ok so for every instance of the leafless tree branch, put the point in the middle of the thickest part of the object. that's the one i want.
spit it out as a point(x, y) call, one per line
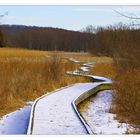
point(127, 16)
point(6, 13)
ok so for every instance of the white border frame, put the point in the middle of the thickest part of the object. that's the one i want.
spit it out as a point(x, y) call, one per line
point(70, 2)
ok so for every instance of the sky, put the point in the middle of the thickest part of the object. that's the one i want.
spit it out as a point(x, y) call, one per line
point(67, 17)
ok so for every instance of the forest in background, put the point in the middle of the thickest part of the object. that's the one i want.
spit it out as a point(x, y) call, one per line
point(46, 38)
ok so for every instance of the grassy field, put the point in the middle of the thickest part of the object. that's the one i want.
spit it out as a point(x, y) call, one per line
point(17, 52)
point(103, 65)
point(85, 57)
point(28, 74)
point(104, 69)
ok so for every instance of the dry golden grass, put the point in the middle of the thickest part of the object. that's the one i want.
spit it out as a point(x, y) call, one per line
point(70, 54)
point(17, 52)
point(27, 74)
point(86, 57)
point(127, 99)
point(104, 69)
point(22, 80)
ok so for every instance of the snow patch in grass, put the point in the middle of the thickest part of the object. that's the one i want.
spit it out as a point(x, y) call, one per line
point(96, 113)
point(84, 68)
point(16, 122)
point(73, 60)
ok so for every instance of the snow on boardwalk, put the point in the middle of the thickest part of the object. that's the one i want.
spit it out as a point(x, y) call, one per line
point(54, 113)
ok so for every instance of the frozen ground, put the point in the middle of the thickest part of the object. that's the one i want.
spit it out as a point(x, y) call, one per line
point(95, 110)
point(16, 122)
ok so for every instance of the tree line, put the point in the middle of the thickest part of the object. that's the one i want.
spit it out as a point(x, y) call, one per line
point(45, 38)
point(110, 41)
point(120, 42)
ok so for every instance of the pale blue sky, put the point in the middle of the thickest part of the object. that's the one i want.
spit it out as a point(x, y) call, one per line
point(68, 17)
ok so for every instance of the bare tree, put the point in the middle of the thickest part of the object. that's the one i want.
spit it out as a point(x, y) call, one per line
point(127, 16)
point(135, 20)
point(3, 15)
point(89, 29)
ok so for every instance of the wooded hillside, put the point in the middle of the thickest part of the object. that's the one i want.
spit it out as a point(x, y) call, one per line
point(46, 38)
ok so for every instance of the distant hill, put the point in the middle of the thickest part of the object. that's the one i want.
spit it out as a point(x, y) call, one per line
point(46, 38)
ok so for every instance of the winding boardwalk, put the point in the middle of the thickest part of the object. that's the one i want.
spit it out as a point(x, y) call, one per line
point(54, 113)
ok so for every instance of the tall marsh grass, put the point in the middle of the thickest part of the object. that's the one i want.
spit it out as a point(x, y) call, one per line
point(22, 80)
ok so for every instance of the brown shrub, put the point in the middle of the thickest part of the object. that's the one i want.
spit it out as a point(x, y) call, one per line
point(104, 69)
point(127, 97)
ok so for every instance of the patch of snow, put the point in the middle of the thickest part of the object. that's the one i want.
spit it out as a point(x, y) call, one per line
point(75, 72)
point(85, 69)
point(16, 122)
point(88, 64)
point(100, 78)
point(29, 103)
point(73, 60)
point(95, 110)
